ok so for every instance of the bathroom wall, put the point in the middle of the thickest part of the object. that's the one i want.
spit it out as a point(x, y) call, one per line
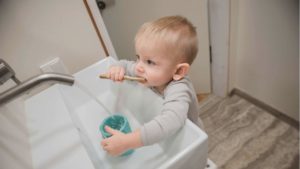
point(264, 52)
point(34, 32)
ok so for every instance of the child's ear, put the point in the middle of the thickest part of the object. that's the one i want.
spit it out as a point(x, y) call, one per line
point(181, 70)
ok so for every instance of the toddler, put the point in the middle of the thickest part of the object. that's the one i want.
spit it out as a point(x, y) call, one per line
point(165, 50)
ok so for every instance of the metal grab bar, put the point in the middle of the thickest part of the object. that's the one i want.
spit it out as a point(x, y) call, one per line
point(30, 83)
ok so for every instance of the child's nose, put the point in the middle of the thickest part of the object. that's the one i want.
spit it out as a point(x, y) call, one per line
point(139, 68)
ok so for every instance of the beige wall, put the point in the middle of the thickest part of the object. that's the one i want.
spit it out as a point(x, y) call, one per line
point(264, 52)
point(34, 32)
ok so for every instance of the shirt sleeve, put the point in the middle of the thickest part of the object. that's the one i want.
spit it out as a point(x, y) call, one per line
point(172, 117)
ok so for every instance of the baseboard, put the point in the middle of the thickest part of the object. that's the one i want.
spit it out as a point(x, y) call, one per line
point(202, 96)
point(266, 107)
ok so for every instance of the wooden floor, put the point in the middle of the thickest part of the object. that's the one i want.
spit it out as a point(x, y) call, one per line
point(243, 136)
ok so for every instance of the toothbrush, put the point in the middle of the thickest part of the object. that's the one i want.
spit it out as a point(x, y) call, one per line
point(139, 79)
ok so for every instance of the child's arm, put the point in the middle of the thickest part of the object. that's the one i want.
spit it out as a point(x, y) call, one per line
point(120, 142)
point(174, 112)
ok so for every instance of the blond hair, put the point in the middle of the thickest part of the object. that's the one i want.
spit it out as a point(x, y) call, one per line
point(176, 32)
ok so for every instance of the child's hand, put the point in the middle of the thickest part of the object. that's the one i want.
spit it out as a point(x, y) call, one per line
point(116, 73)
point(116, 144)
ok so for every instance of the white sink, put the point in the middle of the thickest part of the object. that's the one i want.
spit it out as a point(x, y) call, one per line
point(64, 121)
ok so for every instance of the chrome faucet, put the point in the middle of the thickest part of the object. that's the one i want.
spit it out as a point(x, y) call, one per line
point(6, 73)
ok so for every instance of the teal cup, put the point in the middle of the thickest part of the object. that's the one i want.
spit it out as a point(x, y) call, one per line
point(117, 122)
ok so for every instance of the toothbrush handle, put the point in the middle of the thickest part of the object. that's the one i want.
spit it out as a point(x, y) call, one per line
point(139, 79)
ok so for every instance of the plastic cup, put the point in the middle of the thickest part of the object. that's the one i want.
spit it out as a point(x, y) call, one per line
point(117, 122)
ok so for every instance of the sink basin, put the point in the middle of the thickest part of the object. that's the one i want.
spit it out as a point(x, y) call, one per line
point(63, 123)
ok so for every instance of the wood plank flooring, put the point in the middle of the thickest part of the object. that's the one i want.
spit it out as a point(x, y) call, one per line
point(243, 136)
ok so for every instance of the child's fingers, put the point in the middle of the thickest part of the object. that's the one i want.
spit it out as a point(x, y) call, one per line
point(105, 145)
point(116, 73)
point(112, 72)
point(104, 142)
point(121, 74)
point(116, 78)
point(111, 131)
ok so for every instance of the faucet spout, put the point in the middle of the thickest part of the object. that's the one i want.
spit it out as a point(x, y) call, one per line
point(32, 82)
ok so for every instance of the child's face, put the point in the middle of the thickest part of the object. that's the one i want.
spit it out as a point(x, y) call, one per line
point(156, 65)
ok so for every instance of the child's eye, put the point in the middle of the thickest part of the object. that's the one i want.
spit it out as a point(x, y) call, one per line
point(150, 62)
point(137, 57)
